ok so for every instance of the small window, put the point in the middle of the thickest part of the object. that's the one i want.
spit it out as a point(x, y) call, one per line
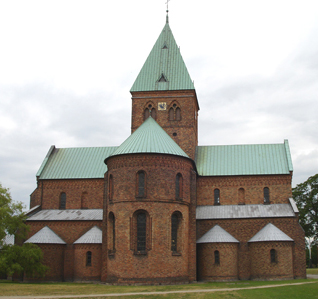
point(273, 256)
point(141, 232)
point(266, 195)
point(216, 197)
point(179, 186)
point(63, 201)
point(88, 258)
point(141, 184)
point(146, 113)
point(216, 257)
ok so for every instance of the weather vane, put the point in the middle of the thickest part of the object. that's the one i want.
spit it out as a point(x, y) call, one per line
point(167, 5)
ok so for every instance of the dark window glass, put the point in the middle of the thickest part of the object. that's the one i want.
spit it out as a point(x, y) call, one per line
point(266, 195)
point(216, 196)
point(178, 114)
point(141, 184)
point(216, 257)
point(63, 201)
point(111, 231)
point(273, 256)
point(88, 258)
point(174, 232)
point(178, 186)
point(141, 232)
point(146, 113)
point(153, 113)
point(171, 114)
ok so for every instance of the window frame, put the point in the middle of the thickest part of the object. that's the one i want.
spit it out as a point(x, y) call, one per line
point(89, 258)
point(141, 185)
point(179, 187)
point(217, 257)
point(266, 194)
point(216, 194)
point(273, 256)
point(62, 205)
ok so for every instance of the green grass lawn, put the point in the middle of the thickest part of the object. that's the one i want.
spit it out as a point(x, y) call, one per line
point(312, 271)
point(299, 291)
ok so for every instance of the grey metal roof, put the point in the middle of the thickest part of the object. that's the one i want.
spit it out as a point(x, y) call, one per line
point(293, 205)
point(165, 61)
point(67, 215)
point(45, 236)
point(75, 163)
point(270, 233)
point(149, 138)
point(247, 159)
point(244, 211)
point(93, 236)
point(217, 235)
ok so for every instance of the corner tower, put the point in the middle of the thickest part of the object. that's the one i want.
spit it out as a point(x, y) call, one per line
point(164, 90)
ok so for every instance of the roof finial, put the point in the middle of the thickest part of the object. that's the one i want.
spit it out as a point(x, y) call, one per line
point(167, 17)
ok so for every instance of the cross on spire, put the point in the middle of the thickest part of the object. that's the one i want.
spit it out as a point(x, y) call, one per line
point(167, 18)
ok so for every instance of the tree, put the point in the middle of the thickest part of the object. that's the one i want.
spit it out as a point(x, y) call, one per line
point(306, 197)
point(13, 258)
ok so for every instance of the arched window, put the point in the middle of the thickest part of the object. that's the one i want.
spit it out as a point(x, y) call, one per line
point(141, 231)
point(266, 195)
point(174, 232)
point(153, 113)
point(216, 197)
point(178, 114)
point(88, 258)
point(241, 196)
point(140, 234)
point(111, 233)
point(179, 186)
point(175, 112)
point(141, 184)
point(111, 187)
point(273, 256)
point(171, 114)
point(146, 113)
point(216, 257)
point(63, 201)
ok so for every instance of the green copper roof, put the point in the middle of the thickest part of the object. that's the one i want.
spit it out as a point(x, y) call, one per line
point(164, 68)
point(253, 159)
point(75, 163)
point(149, 138)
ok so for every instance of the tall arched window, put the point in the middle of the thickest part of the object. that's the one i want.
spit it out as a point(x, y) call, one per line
point(141, 184)
point(111, 187)
point(241, 196)
point(141, 231)
point(216, 257)
point(146, 113)
point(178, 114)
point(63, 201)
point(266, 195)
point(273, 256)
point(111, 233)
point(150, 110)
point(174, 232)
point(179, 185)
point(171, 114)
point(216, 197)
point(88, 258)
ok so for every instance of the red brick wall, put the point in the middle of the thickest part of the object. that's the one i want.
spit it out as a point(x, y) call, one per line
point(159, 264)
point(53, 257)
point(81, 270)
point(261, 265)
point(244, 229)
point(186, 128)
point(81, 193)
point(227, 269)
point(279, 187)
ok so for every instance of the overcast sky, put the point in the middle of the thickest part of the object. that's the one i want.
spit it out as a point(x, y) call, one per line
point(66, 68)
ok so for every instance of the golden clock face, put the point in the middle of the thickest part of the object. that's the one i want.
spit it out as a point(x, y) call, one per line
point(162, 106)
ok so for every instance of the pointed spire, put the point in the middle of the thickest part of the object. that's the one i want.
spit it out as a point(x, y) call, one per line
point(167, 17)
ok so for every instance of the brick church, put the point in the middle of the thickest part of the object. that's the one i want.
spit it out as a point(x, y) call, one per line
point(159, 208)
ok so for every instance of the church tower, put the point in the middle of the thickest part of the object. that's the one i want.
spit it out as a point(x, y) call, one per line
point(164, 90)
